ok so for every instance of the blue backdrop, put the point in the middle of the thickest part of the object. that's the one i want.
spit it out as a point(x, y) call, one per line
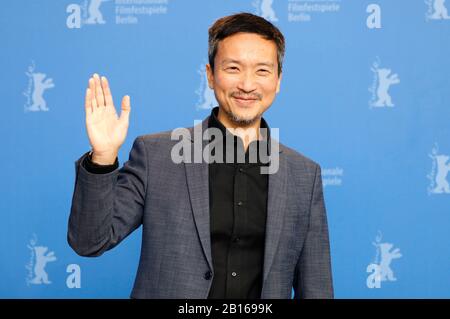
point(365, 93)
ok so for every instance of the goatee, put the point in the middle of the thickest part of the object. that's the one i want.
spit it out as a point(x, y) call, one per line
point(240, 121)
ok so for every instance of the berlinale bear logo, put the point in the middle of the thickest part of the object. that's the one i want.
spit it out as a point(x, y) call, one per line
point(84, 14)
point(38, 83)
point(383, 79)
point(436, 10)
point(380, 270)
point(439, 171)
point(39, 258)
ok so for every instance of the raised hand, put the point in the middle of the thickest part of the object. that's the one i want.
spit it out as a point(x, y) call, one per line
point(106, 130)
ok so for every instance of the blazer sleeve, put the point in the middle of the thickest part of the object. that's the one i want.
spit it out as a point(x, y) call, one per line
point(106, 208)
point(313, 277)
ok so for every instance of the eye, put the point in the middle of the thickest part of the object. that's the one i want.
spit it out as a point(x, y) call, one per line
point(232, 68)
point(263, 71)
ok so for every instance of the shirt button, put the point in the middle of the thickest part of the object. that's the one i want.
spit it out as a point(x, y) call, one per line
point(233, 274)
point(207, 275)
point(236, 239)
point(239, 203)
point(241, 169)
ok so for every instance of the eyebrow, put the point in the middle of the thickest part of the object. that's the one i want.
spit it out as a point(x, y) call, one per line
point(270, 64)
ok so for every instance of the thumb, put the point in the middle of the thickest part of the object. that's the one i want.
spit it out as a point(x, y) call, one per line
point(126, 108)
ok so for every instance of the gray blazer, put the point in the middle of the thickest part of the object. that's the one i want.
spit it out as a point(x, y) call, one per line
point(171, 202)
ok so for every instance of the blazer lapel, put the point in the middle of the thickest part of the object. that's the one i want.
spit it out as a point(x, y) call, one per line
point(197, 177)
point(276, 201)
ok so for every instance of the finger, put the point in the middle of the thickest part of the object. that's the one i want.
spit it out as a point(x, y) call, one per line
point(88, 102)
point(94, 103)
point(92, 89)
point(126, 108)
point(107, 92)
point(99, 91)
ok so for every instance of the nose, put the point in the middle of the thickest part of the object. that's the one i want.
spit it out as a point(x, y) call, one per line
point(247, 82)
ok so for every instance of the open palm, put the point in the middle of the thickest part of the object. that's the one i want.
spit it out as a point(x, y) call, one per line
point(106, 130)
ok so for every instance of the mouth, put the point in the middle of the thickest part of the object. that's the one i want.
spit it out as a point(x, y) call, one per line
point(244, 102)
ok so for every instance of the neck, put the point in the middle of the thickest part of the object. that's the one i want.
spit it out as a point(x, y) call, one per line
point(247, 133)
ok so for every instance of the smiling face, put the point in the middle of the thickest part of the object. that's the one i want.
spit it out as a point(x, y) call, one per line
point(245, 78)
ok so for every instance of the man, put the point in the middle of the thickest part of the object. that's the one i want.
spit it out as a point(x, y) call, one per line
point(211, 229)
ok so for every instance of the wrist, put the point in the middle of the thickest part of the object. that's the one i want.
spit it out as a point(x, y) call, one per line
point(107, 158)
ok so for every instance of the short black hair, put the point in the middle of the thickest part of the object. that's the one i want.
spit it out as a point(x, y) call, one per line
point(244, 22)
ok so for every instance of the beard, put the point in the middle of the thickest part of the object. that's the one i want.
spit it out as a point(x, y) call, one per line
point(239, 120)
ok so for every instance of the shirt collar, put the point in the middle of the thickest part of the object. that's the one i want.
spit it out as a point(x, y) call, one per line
point(213, 121)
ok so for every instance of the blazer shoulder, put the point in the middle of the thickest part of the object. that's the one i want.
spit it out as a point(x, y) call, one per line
point(156, 137)
point(297, 158)
point(159, 140)
point(164, 138)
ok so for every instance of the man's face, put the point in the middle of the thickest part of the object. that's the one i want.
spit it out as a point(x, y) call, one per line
point(245, 79)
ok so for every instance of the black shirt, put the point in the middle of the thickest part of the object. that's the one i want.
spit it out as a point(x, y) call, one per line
point(238, 211)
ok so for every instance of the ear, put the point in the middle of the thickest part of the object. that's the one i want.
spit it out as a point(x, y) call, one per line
point(210, 76)
point(279, 82)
